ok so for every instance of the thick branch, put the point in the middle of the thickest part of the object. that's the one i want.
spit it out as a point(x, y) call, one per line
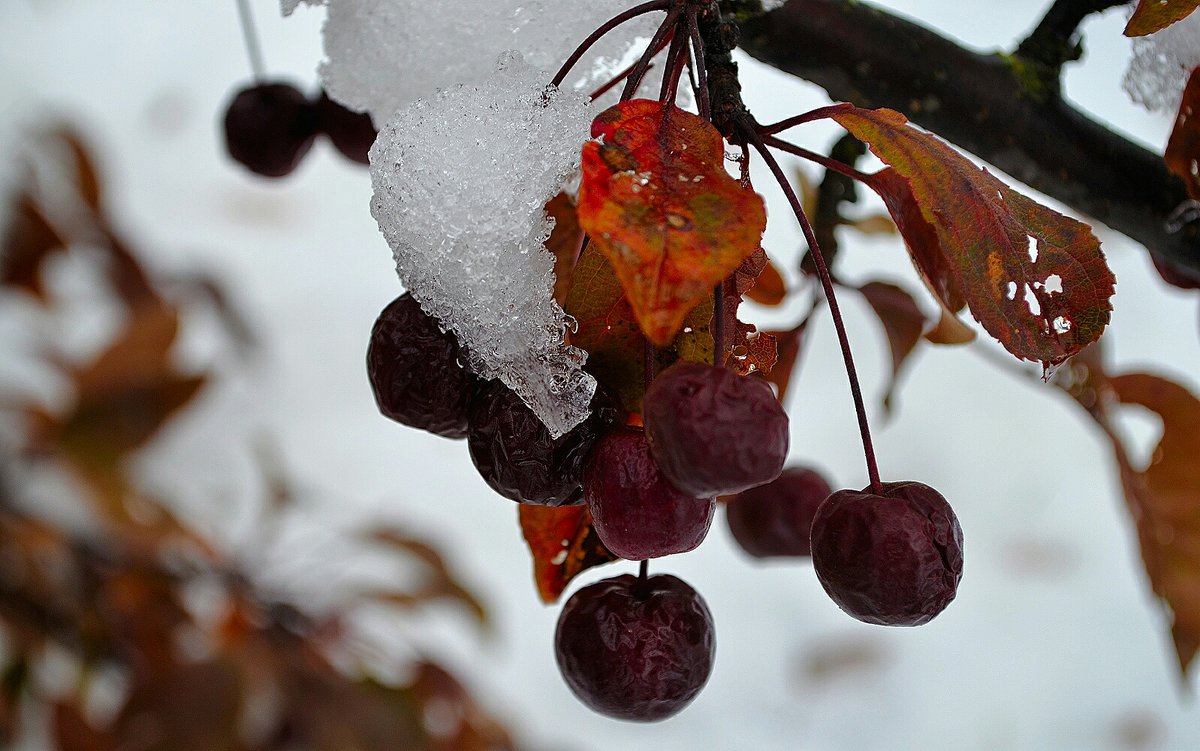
point(991, 105)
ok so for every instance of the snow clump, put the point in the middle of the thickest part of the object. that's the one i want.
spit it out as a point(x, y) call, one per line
point(460, 184)
point(1162, 63)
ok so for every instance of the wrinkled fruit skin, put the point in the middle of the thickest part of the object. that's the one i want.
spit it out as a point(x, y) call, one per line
point(269, 128)
point(636, 512)
point(635, 651)
point(775, 519)
point(414, 371)
point(515, 454)
point(352, 133)
point(893, 559)
point(714, 432)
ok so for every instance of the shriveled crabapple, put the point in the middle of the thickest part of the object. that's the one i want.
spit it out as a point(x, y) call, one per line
point(636, 512)
point(714, 432)
point(269, 127)
point(892, 557)
point(775, 519)
point(635, 649)
point(415, 372)
point(513, 450)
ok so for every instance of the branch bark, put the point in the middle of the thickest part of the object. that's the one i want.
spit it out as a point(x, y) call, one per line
point(1006, 109)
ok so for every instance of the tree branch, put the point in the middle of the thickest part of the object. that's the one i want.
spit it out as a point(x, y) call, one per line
point(996, 106)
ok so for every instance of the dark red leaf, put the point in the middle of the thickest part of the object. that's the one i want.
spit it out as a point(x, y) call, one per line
point(563, 544)
point(902, 321)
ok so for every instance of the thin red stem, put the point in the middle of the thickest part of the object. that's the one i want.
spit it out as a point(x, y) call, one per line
point(864, 429)
point(807, 117)
point(676, 58)
point(612, 23)
point(702, 100)
point(821, 159)
point(639, 72)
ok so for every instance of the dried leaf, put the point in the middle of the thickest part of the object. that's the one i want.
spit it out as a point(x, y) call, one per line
point(790, 346)
point(950, 330)
point(1165, 499)
point(1153, 15)
point(748, 350)
point(902, 321)
point(563, 242)
point(28, 241)
point(608, 330)
point(769, 287)
point(563, 544)
point(1183, 150)
point(656, 200)
point(440, 583)
point(1034, 278)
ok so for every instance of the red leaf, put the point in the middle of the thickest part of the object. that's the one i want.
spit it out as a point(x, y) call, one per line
point(1034, 278)
point(1183, 150)
point(1165, 500)
point(27, 242)
point(748, 350)
point(563, 242)
point(656, 200)
point(768, 287)
point(1152, 15)
point(902, 321)
point(563, 544)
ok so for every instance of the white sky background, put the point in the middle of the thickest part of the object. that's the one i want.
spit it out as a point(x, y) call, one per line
point(1069, 654)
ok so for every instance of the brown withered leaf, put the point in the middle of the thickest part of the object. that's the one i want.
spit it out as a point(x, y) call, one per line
point(28, 241)
point(902, 321)
point(563, 544)
point(1165, 498)
point(1183, 149)
point(1035, 279)
point(1153, 15)
point(769, 287)
point(563, 243)
point(790, 347)
point(747, 349)
point(439, 582)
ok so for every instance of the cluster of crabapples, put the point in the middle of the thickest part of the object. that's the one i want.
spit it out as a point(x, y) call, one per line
point(638, 647)
point(269, 127)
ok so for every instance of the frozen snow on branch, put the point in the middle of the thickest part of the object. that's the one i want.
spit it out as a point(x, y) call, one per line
point(460, 183)
point(1162, 63)
point(383, 54)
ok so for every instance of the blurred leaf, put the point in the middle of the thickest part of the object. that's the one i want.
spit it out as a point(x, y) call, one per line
point(657, 202)
point(28, 242)
point(844, 657)
point(875, 224)
point(950, 330)
point(187, 707)
point(998, 246)
point(790, 346)
point(902, 321)
point(1165, 497)
point(460, 723)
point(1183, 149)
point(86, 177)
point(72, 731)
point(440, 583)
point(13, 681)
point(563, 544)
point(1154, 15)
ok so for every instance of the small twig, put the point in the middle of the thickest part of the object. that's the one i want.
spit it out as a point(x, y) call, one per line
point(612, 23)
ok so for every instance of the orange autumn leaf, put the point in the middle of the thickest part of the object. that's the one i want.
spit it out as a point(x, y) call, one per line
point(769, 288)
point(563, 544)
point(656, 200)
point(1183, 149)
point(1035, 279)
point(1153, 15)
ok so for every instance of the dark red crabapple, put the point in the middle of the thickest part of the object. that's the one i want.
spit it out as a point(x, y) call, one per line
point(269, 127)
point(515, 454)
point(636, 512)
point(415, 373)
point(892, 558)
point(775, 519)
point(714, 432)
point(352, 133)
point(634, 649)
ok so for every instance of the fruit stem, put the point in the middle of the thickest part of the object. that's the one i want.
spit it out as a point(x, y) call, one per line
point(752, 135)
point(639, 72)
point(821, 159)
point(702, 101)
point(250, 35)
point(643, 572)
point(676, 58)
point(612, 23)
